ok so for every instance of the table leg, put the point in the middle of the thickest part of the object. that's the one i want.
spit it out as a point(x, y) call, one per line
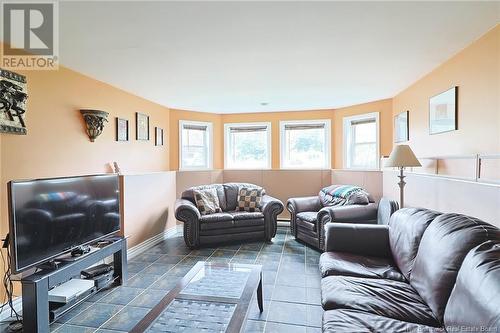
point(259, 295)
point(36, 307)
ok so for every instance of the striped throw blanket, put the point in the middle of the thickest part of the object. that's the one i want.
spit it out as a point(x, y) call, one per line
point(338, 195)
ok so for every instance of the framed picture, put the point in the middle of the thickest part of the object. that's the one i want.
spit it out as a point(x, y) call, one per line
point(443, 112)
point(158, 136)
point(142, 126)
point(401, 127)
point(121, 129)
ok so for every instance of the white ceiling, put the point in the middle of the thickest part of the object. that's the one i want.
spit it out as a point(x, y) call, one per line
point(229, 57)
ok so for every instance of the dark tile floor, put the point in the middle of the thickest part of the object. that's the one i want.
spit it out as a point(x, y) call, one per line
point(290, 276)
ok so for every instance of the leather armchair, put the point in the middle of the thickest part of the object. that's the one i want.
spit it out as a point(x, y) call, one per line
point(309, 217)
point(230, 225)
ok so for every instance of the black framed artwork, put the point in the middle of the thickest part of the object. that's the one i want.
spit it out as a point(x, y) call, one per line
point(158, 136)
point(121, 129)
point(142, 126)
point(443, 112)
point(402, 127)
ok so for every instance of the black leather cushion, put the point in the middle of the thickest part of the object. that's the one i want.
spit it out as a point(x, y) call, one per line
point(310, 217)
point(353, 321)
point(246, 215)
point(388, 298)
point(475, 299)
point(407, 226)
point(301, 224)
point(443, 247)
point(189, 195)
point(348, 264)
point(216, 221)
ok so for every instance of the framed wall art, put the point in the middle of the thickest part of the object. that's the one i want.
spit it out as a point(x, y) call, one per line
point(401, 127)
point(142, 126)
point(443, 112)
point(158, 136)
point(121, 129)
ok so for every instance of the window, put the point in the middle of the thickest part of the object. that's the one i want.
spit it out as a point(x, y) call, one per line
point(305, 144)
point(361, 136)
point(195, 145)
point(247, 146)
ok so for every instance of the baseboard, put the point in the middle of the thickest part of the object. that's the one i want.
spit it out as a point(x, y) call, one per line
point(283, 223)
point(132, 252)
point(149, 243)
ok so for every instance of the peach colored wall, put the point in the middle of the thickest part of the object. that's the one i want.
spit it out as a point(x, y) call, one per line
point(476, 72)
point(57, 145)
point(384, 107)
point(218, 142)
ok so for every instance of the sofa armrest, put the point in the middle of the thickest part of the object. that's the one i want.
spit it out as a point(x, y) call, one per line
point(271, 208)
point(302, 204)
point(353, 213)
point(362, 239)
point(188, 213)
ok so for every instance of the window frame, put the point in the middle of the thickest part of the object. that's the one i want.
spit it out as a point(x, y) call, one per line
point(209, 146)
point(348, 143)
point(228, 142)
point(328, 143)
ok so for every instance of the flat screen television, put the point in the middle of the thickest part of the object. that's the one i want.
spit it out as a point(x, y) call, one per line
point(50, 217)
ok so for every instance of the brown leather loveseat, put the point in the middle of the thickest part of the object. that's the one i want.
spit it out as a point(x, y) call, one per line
point(230, 224)
point(424, 272)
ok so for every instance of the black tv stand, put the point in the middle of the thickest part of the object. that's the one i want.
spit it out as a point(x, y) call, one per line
point(36, 286)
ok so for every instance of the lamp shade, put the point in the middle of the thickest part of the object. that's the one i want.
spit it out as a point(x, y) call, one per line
point(402, 156)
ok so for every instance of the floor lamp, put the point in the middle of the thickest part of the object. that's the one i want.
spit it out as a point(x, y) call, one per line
point(401, 157)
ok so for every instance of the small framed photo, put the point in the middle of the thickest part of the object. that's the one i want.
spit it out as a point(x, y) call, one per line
point(142, 126)
point(121, 129)
point(402, 127)
point(158, 136)
point(443, 112)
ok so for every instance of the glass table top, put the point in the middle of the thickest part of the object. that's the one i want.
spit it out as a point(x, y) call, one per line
point(218, 281)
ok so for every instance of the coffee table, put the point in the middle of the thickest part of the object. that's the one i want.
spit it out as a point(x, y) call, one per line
point(211, 297)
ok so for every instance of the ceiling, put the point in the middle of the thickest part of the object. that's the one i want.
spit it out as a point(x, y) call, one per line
point(231, 57)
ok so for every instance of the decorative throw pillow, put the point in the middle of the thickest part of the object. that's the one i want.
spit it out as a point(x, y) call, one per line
point(207, 201)
point(338, 195)
point(249, 199)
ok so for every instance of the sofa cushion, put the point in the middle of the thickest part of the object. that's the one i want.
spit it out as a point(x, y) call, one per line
point(216, 221)
point(344, 320)
point(302, 224)
point(407, 227)
point(249, 199)
point(348, 264)
point(188, 194)
point(310, 217)
point(237, 215)
point(475, 299)
point(207, 201)
point(443, 247)
point(231, 194)
point(388, 298)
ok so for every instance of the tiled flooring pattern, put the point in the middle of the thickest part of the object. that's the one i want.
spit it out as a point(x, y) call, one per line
point(291, 282)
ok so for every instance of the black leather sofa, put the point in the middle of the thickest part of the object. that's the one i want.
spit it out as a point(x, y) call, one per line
point(424, 272)
point(230, 225)
point(308, 217)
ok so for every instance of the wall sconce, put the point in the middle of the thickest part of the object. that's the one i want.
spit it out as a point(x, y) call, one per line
point(94, 120)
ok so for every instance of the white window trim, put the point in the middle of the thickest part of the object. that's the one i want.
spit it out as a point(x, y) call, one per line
point(328, 141)
point(346, 131)
point(227, 139)
point(209, 148)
